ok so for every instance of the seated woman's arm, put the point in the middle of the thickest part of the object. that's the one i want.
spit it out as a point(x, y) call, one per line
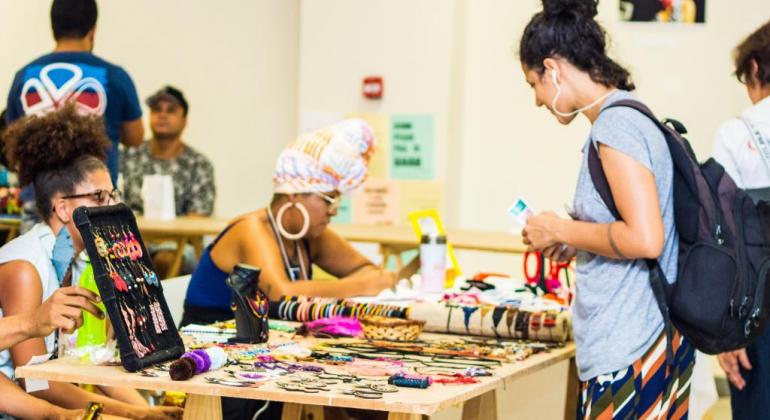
point(17, 403)
point(256, 246)
point(21, 292)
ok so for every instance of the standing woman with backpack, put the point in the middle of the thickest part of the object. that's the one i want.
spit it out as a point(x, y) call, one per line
point(748, 370)
point(619, 330)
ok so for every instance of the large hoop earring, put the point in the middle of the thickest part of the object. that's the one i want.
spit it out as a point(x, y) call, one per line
point(305, 224)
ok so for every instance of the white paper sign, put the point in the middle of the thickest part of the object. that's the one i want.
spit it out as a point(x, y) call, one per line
point(33, 385)
point(158, 197)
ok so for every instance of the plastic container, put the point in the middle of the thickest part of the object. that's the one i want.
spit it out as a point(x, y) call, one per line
point(93, 332)
point(432, 263)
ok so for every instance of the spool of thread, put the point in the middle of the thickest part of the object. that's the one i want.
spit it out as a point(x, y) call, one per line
point(197, 361)
point(410, 381)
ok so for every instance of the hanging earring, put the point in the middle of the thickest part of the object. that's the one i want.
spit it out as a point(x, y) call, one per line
point(305, 224)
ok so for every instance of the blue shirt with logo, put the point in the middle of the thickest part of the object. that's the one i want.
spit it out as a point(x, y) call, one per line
point(96, 86)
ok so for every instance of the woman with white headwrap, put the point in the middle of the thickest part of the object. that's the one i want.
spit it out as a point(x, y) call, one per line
point(290, 235)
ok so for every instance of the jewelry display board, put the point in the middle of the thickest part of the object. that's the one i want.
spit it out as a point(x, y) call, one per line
point(129, 286)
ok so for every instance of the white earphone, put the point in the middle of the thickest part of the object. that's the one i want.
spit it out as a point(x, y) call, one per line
point(577, 111)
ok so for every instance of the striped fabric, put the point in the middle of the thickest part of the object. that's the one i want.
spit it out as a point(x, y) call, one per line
point(648, 389)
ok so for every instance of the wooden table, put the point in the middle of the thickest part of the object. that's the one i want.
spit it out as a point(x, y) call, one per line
point(392, 239)
point(181, 230)
point(11, 225)
point(203, 401)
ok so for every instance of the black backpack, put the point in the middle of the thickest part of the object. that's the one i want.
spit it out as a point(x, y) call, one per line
point(720, 299)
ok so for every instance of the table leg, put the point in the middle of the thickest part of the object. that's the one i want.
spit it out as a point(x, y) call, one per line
point(291, 411)
point(13, 232)
point(570, 405)
point(197, 244)
point(405, 416)
point(202, 407)
point(483, 407)
point(176, 266)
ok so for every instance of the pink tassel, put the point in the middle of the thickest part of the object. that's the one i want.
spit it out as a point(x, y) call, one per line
point(337, 326)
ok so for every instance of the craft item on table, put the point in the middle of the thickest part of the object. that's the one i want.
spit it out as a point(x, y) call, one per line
point(129, 287)
point(232, 382)
point(271, 363)
point(303, 309)
point(548, 281)
point(493, 321)
point(336, 326)
point(282, 327)
point(291, 351)
point(208, 333)
point(478, 281)
point(197, 361)
point(250, 305)
point(246, 354)
point(462, 298)
point(372, 368)
point(392, 329)
point(455, 379)
point(93, 411)
point(410, 380)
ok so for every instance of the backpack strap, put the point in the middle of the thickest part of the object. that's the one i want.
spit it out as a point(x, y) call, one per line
point(657, 276)
point(762, 144)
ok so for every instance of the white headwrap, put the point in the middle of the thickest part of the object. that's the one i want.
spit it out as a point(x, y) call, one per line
point(325, 160)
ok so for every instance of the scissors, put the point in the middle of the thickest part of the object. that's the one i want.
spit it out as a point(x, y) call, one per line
point(549, 281)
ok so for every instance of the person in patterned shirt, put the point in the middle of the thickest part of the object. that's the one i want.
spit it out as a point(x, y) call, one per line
point(166, 154)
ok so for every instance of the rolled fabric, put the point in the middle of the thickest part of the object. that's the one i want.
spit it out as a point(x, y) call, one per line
point(494, 321)
point(334, 158)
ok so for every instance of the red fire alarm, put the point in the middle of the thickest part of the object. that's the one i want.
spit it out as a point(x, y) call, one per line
point(372, 87)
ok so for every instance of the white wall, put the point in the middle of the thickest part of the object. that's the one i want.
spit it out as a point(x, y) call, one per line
point(235, 60)
point(458, 60)
point(250, 67)
point(511, 148)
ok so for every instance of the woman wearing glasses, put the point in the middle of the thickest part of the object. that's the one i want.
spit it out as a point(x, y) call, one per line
point(62, 155)
point(290, 235)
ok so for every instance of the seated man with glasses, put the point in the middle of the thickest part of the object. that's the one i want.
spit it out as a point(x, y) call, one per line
point(165, 153)
point(62, 156)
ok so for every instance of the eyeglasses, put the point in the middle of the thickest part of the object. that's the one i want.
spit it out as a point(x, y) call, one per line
point(333, 202)
point(102, 197)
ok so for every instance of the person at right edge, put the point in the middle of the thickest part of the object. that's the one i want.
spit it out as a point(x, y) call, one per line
point(619, 330)
point(739, 152)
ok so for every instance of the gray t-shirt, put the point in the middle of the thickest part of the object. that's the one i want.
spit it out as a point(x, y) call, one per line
point(616, 318)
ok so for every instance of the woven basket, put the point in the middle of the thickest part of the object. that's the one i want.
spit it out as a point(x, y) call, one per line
point(392, 329)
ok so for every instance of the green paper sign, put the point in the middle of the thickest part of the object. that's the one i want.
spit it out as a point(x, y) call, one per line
point(411, 147)
point(344, 211)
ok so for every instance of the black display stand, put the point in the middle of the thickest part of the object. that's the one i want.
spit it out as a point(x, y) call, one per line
point(107, 223)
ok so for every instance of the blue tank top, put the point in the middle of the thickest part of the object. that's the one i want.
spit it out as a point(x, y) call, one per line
point(207, 288)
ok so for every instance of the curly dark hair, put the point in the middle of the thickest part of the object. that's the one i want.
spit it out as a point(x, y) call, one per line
point(754, 49)
point(55, 152)
point(567, 29)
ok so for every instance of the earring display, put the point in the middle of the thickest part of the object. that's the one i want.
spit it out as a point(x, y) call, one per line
point(129, 286)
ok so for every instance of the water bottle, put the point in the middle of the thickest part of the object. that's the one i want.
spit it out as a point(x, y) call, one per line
point(93, 332)
point(433, 263)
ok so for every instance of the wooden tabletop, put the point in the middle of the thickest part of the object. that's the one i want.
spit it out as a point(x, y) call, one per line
point(408, 400)
point(396, 236)
point(404, 236)
point(181, 226)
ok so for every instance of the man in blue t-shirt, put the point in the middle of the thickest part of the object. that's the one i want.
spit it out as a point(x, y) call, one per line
point(73, 74)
